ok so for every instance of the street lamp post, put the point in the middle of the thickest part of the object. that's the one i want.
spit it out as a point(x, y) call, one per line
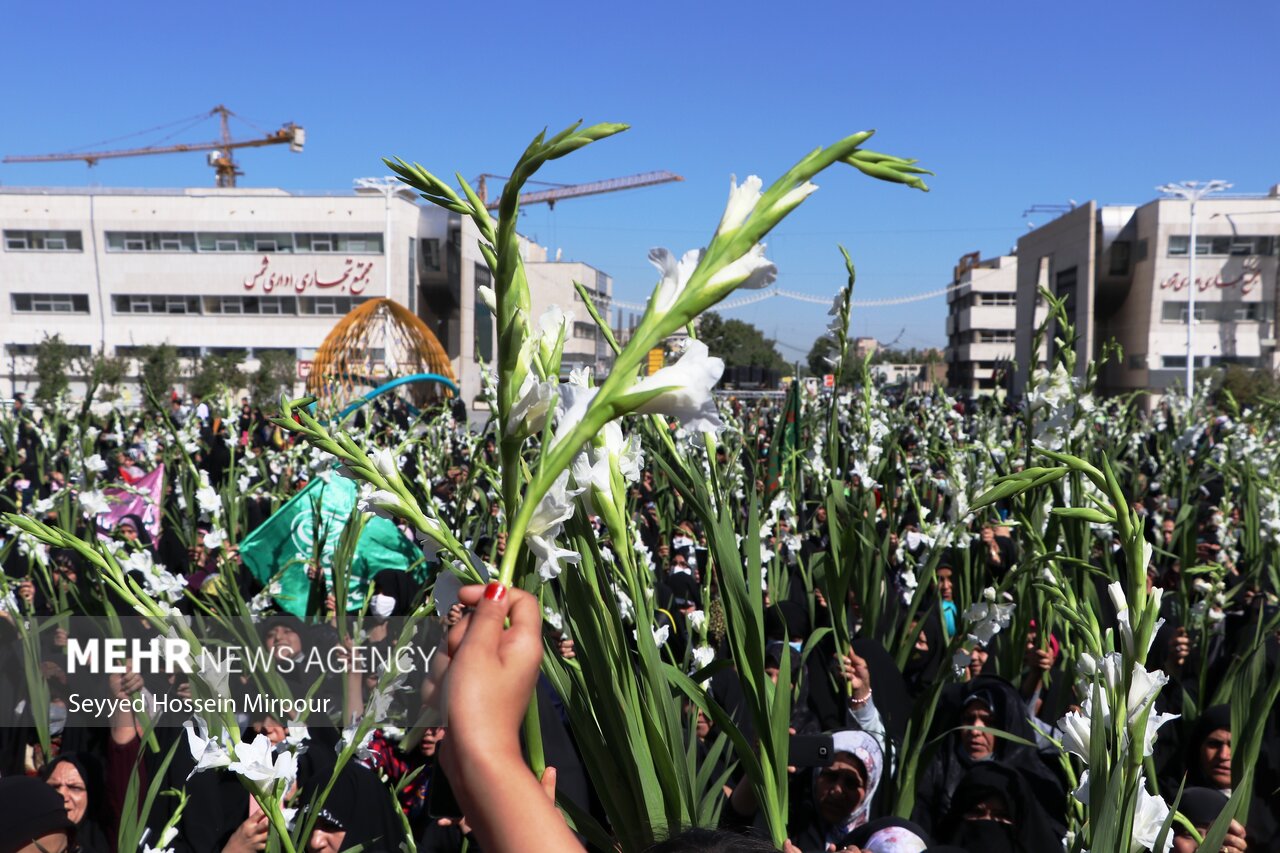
point(1192, 191)
point(388, 186)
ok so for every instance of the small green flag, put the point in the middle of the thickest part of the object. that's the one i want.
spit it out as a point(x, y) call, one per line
point(286, 541)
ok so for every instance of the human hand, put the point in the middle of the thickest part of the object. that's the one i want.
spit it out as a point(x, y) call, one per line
point(27, 590)
point(1235, 841)
point(493, 669)
point(59, 636)
point(1038, 659)
point(1179, 647)
point(858, 675)
point(122, 685)
point(250, 836)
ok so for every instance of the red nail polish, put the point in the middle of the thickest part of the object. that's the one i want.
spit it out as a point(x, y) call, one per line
point(495, 591)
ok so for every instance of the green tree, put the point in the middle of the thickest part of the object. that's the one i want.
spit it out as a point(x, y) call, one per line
point(158, 368)
point(739, 344)
point(275, 373)
point(823, 348)
point(214, 374)
point(54, 358)
point(102, 375)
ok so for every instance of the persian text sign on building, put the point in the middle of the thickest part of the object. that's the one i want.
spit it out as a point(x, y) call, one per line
point(354, 278)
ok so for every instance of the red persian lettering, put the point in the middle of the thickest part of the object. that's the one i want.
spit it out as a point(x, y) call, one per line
point(354, 278)
point(1246, 281)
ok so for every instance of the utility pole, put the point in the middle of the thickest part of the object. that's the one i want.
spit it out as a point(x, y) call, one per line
point(1192, 191)
point(388, 186)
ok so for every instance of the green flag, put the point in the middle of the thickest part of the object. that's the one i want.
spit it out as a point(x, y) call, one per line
point(287, 539)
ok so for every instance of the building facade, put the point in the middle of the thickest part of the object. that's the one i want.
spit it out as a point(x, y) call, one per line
point(1123, 271)
point(217, 271)
point(981, 323)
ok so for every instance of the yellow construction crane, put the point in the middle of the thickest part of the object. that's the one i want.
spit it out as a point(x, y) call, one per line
point(220, 151)
point(560, 192)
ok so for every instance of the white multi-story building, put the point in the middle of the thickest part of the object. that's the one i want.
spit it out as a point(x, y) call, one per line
point(552, 283)
point(1123, 272)
point(241, 270)
point(981, 320)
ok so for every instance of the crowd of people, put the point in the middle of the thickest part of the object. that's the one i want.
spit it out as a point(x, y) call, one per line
point(994, 778)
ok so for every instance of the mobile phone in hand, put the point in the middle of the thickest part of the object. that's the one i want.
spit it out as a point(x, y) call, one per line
point(811, 750)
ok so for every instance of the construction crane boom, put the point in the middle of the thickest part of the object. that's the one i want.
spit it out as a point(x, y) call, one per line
point(221, 159)
point(559, 193)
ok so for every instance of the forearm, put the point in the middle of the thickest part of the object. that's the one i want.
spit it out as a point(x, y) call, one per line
point(504, 803)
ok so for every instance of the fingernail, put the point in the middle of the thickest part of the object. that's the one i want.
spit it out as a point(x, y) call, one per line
point(495, 591)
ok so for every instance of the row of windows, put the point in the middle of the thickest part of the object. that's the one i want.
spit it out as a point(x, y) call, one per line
point(1170, 362)
point(50, 303)
point(984, 300)
point(231, 241)
point(43, 241)
point(305, 306)
point(204, 241)
point(1222, 246)
point(1212, 312)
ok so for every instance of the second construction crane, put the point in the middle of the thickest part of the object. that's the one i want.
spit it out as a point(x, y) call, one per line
point(220, 151)
point(559, 192)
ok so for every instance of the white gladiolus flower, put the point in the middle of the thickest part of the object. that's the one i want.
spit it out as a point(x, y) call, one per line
point(742, 202)
point(96, 464)
point(205, 749)
point(1148, 818)
point(687, 390)
point(93, 504)
point(488, 297)
point(675, 276)
point(1076, 730)
point(208, 500)
point(661, 635)
point(380, 502)
point(555, 508)
point(243, 482)
point(552, 618)
point(752, 271)
point(215, 539)
point(385, 462)
point(703, 656)
point(533, 405)
point(1154, 722)
point(697, 621)
point(792, 199)
point(254, 762)
point(552, 325)
point(1143, 687)
point(1082, 793)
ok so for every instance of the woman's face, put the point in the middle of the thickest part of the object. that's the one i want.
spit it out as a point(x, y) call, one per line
point(66, 780)
point(840, 788)
point(946, 586)
point(993, 806)
point(1215, 758)
point(976, 741)
point(326, 840)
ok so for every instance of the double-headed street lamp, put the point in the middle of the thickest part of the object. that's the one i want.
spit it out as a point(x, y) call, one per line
point(1192, 191)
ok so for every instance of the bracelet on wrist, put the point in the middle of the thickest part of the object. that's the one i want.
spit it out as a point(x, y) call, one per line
point(860, 703)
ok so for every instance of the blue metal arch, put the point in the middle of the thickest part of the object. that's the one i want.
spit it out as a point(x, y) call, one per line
point(394, 383)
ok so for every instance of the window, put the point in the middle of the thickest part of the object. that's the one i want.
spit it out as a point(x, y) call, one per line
point(1179, 362)
point(354, 244)
point(50, 303)
point(1065, 288)
point(43, 241)
point(328, 306)
point(431, 254)
point(77, 350)
point(1004, 300)
point(994, 336)
point(132, 304)
point(1120, 257)
point(1213, 312)
point(149, 241)
point(584, 331)
point(140, 351)
point(1223, 246)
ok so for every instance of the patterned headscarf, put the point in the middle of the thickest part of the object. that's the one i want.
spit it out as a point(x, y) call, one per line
point(866, 749)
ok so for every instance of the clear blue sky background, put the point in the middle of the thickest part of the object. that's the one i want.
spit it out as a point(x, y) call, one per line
point(1012, 104)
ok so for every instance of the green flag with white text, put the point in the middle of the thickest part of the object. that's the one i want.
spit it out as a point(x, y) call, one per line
point(309, 525)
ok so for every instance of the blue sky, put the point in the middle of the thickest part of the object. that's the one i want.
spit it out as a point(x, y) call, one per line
point(1012, 104)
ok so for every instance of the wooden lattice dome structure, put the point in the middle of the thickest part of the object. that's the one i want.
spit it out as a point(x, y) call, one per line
point(378, 341)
